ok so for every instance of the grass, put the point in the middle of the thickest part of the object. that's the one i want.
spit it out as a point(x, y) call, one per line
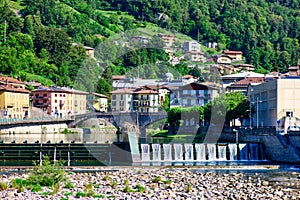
point(3, 186)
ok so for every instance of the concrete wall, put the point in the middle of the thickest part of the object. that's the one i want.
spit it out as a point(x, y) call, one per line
point(49, 128)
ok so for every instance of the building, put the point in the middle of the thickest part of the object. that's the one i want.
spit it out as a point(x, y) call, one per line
point(121, 100)
point(193, 94)
point(242, 85)
point(59, 101)
point(167, 39)
point(232, 78)
point(194, 56)
point(145, 100)
point(131, 100)
point(14, 98)
point(222, 59)
point(98, 102)
point(192, 46)
point(234, 55)
point(276, 102)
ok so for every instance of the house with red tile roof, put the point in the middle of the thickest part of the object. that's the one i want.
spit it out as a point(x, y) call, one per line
point(14, 98)
point(242, 85)
point(234, 55)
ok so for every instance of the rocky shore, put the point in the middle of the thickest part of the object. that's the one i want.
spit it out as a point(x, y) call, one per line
point(162, 183)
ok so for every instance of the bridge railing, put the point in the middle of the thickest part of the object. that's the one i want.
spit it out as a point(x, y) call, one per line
point(32, 119)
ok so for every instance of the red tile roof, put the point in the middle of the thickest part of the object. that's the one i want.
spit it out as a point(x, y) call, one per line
point(249, 80)
point(232, 52)
point(10, 80)
point(146, 92)
point(10, 88)
point(122, 91)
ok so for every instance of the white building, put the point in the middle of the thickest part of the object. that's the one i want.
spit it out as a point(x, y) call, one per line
point(192, 46)
point(121, 100)
point(193, 94)
point(276, 101)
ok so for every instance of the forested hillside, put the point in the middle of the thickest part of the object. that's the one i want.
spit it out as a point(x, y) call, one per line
point(266, 31)
point(36, 35)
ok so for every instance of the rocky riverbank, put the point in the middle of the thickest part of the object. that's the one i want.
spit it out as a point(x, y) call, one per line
point(163, 183)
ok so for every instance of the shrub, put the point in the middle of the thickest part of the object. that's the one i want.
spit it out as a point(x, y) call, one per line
point(126, 182)
point(69, 185)
point(35, 188)
point(81, 194)
point(3, 186)
point(156, 179)
point(140, 188)
point(48, 174)
point(90, 193)
point(127, 189)
point(18, 184)
point(89, 186)
point(106, 178)
point(188, 188)
point(113, 183)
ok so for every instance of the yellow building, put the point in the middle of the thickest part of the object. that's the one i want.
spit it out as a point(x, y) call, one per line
point(14, 99)
point(98, 102)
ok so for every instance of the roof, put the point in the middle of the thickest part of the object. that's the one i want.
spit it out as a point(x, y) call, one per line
point(59, 89)
point(198, 86)
point(10, 80)
point(122, 91)
point(146, 92)
point(242, 75)
point(99, 95)
point(118, 77)
point(10, 88)
point(232, 52)
point(248, 80)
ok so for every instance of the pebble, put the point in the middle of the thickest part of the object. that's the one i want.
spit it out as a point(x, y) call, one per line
point(182, 184)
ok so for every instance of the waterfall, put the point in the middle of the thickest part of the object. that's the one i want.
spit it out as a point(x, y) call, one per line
point(222, 152)
point(156, 152)
point(189, 153)
point(253, 151)
point(232, 151)
point(243, 151)
point(145, 152)
point(211, 149)
point(178, 153)
point(167, 152)
point(200, 152)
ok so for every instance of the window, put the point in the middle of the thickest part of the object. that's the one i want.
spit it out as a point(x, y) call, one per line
point(45, 95)
point(113, 103)
point(113, 97)
point(55, 95)
point(55, 101)
point(121, 97)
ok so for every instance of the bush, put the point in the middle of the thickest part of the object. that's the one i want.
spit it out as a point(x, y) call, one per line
point(156, 179)
point(48, 174)
point(69, 185)
point(3, 186)
point(140, 188)
point(18, 184)
point(81, 194)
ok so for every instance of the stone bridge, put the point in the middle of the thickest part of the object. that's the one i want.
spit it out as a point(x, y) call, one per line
point(119, 119)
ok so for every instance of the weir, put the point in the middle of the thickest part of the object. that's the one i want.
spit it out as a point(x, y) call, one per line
point(202, 152)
